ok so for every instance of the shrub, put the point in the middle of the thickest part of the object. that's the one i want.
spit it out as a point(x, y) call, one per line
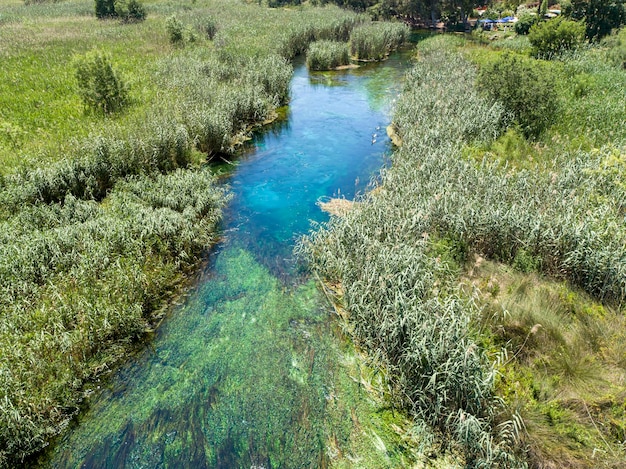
point(516, 82)
point(555, 36)
point(327, 55)
point(105, 9)
point(100, 86)
point(616, 48)
point(174, 28)
point(525, 22)
point(209, 27)
point(131, 11)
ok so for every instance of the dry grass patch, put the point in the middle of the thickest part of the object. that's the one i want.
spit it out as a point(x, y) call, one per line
point(336, 206)
point(561, 369)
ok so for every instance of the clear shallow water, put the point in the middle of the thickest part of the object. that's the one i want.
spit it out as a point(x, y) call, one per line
point(245, 373)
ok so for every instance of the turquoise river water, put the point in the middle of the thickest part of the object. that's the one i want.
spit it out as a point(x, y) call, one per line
point(247, 371)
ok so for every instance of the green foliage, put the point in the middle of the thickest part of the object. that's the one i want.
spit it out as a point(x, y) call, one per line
point(89, 277)
point(99, 85)
point(374, 41)
point(525, 22)
point(557, 371)
point(105, 9)
point(131, 11)
point(599, 16)
point(526, 262)
point(566, 221)
point(327, 55)
point(615, 45)
point(516, 82)
point(174, 28)
point(101, 219)
point(397, 283)
point(555, 36)
point(208, 26)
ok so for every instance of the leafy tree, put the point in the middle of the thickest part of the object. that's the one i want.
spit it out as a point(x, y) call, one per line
point(105, 9)
point(99, 85)
point(525, 22)
point(516, 82)
point(600, 16)
point(131, 11)
point(552, 37)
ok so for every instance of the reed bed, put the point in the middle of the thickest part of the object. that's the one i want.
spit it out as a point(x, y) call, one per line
point(374, 41)
point(327, 55)
point(396, 254)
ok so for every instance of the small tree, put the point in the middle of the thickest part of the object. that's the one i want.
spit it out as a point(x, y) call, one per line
point(131, 11)
point(515, 81)
point(100, 87)
point(600, 16)
point(105, 9)
point(552, 37)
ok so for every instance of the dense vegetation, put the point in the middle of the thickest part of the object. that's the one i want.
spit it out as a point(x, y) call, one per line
point(509, 380)
point(104, 213)
point(327, 55)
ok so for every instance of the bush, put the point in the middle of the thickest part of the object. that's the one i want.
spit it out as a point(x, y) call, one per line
point(327, 55)
point(99, 85)
point(522, 89)
point(555, 36)
point(209, 27)
point(616, 48)
point(131, 11)
point(105, 9)
point(525, 22)
point(174, 28)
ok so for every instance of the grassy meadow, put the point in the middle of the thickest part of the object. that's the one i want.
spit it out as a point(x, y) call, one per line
point(103, 216)
point(485, 274)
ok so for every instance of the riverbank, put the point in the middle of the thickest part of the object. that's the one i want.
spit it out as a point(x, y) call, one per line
point(417, 298)
point(103, 215)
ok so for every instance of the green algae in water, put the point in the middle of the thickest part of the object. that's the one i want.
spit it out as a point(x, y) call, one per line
point(259, 356)
point(257, 381)
point(249, 371)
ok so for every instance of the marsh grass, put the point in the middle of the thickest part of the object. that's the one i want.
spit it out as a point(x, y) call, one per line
point(327, 55)
point(561, 371)
point(374, 41)
point(397, 256)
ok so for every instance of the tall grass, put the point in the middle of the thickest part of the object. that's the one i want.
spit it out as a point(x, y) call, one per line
point(79, 280)
point(374, 41)
point(327, 55)
point(400, 299)
point(399, 287)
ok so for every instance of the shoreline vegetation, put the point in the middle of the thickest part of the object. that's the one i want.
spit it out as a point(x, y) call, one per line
point(484, 275)
point(104, 214)
point(368, 42)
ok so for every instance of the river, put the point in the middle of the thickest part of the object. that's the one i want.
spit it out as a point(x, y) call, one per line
point(248, 371)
